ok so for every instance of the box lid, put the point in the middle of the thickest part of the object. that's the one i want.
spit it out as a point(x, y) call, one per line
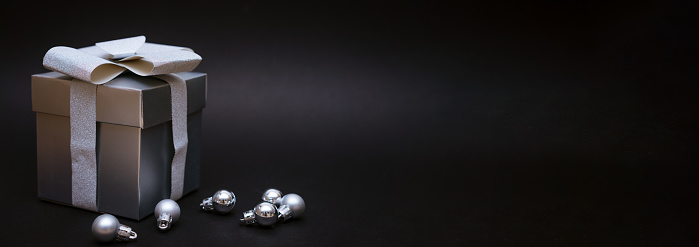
point(129, 99)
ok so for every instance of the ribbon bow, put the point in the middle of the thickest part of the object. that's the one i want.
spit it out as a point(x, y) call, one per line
point(99, 64)
point(145, 59)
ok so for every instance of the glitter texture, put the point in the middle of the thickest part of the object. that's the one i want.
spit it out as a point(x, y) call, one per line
point(178, 94)
point(122, 48)
point(83, 139)
point(83, 63)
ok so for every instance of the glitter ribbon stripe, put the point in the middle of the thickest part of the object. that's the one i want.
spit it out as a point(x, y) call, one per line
point(83, 139)
point(178, 92)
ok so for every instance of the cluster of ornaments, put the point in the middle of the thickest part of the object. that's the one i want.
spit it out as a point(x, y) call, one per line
point(275, 207)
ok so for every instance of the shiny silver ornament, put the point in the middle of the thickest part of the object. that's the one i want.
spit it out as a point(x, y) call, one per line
point(272, 196)
point(291, 205)
point(264, 214)
point(167, 212)
point(106, 228)
point(222, 202)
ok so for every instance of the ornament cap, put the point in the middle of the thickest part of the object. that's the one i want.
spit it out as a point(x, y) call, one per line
point(248, 217)
point(125, 233)
point(284, 213)
point(207, 204)
point(164, 222)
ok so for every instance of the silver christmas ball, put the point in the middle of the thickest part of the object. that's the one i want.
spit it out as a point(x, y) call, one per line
point(223, 201)
point(166, 212)
point(105, 228)
point(272, 196)
point(265, 214)
point(295, 203)
point(170, 207)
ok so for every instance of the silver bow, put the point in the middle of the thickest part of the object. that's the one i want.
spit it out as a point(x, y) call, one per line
point(99, 64)
point(145, 59)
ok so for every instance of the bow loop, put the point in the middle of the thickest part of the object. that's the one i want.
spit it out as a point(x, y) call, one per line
point(122, 48)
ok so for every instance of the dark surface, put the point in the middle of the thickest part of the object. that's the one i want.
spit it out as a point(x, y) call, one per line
point(421, 123)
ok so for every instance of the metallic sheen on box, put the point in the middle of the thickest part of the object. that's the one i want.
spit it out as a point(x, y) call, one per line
point(134, 140)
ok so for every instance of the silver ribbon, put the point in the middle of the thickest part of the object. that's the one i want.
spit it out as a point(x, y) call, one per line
point(90, 66)
point(83, 139)
point(178, 94)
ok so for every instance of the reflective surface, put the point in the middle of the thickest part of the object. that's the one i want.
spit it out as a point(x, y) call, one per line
point(223, 201)
point(271, 196)
point(265, 214)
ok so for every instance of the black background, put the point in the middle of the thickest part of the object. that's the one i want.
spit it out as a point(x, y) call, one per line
point(474, 123)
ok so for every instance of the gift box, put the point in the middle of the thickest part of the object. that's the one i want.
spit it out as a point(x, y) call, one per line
point(135, 141)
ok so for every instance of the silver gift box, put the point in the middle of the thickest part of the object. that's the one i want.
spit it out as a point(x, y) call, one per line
point(134, 140)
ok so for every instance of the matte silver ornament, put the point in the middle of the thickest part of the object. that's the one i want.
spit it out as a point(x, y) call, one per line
point(222, 202)
point(291, 205)
point(264, 214)
point(106, 228)
point(167, 212)
point(272, 196)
